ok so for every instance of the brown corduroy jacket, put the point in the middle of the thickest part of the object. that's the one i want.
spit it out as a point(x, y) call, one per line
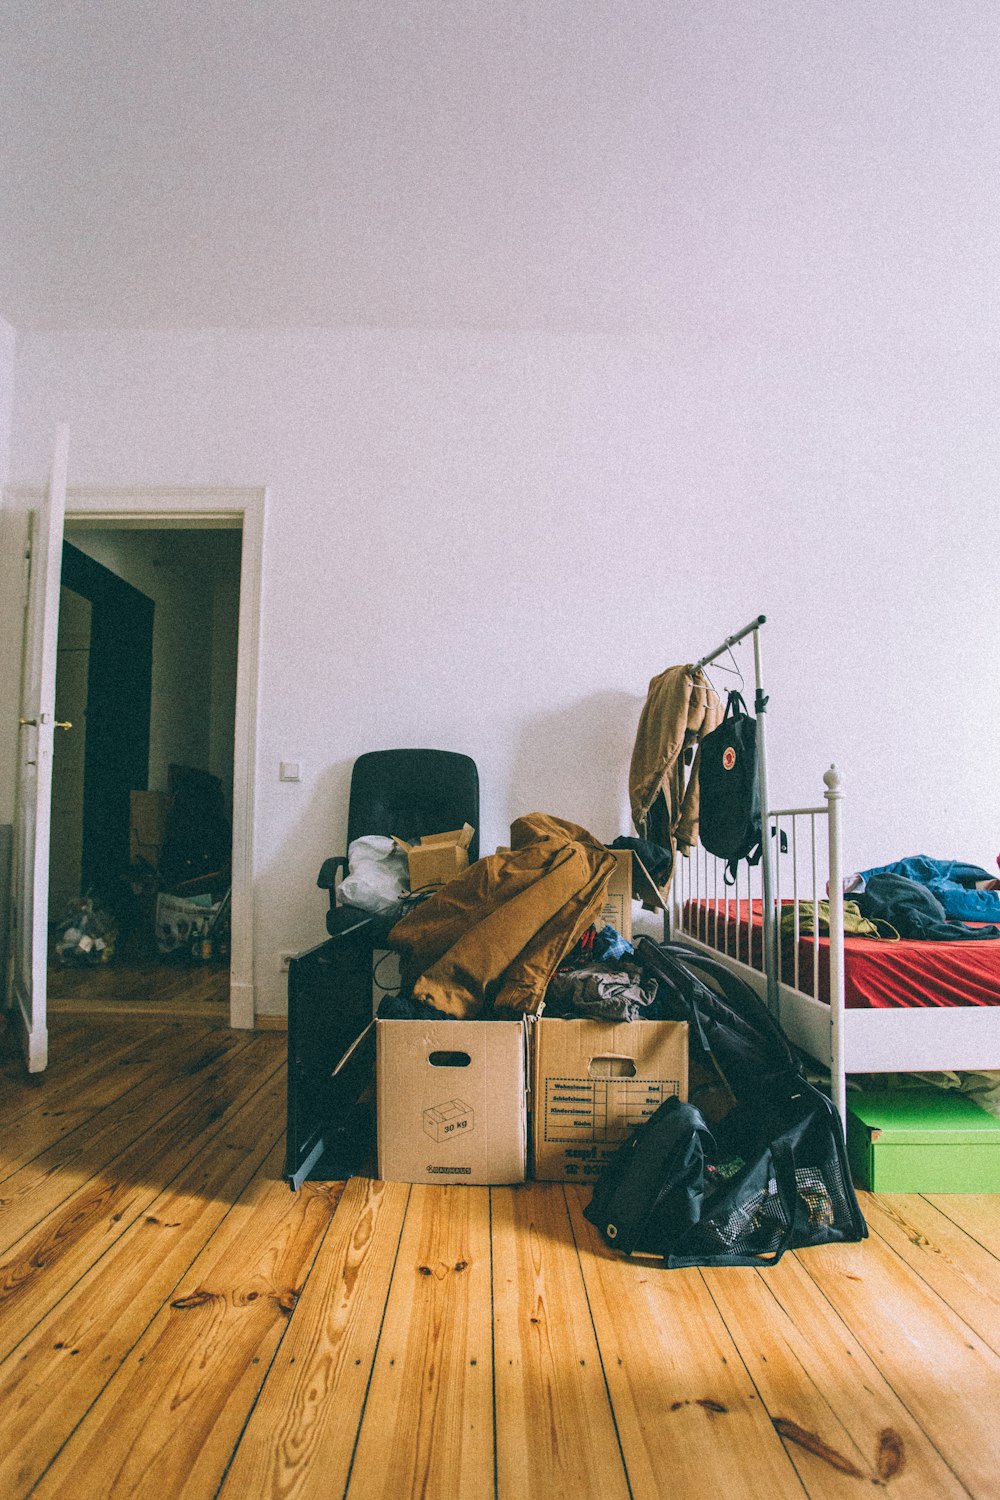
point(681, 708)
point(492, 938)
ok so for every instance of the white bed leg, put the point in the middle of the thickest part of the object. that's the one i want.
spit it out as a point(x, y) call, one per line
point(834, 782)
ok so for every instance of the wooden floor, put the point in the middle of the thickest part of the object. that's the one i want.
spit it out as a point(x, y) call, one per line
point(141, 989)
point(174, 1322)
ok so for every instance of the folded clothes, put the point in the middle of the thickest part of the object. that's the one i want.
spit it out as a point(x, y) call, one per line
point(623, 993)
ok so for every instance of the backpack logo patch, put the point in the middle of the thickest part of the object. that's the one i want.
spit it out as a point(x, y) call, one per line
point(728, 758)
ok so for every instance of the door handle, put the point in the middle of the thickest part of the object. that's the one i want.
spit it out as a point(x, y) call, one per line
point(62, 724)
point(27, 721)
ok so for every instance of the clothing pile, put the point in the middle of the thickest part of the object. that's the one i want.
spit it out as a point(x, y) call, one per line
point(517, 933)
point(930, 899)
point(489, 941)
point(601, 980)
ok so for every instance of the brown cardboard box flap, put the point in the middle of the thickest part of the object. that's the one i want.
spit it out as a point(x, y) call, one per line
point(644, 888)
point(461, 836)
point(147, 820)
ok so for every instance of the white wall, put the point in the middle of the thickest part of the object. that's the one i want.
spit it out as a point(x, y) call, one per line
point(8, 348)
point(491, 542)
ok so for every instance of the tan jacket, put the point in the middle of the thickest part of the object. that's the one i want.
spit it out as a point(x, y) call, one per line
point(681, 708)
point(493, 937)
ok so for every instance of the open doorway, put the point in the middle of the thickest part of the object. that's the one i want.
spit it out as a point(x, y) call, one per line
point(142, 800)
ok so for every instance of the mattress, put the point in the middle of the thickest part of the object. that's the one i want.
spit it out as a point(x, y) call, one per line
point(878, 975)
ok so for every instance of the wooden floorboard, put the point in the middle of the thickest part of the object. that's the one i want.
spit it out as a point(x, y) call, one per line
point(836, 1413)
point(427, 1427)
point(683, 1399)
point(300, 1440)
point(556, 1431)
point(142, 1093)
point(174, 1322)
point(941, 1370)
point(964, 1274)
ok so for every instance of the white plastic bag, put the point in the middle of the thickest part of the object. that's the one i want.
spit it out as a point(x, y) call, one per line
point(378, 874)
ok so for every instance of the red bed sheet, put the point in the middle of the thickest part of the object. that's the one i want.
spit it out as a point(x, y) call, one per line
point(878, 975)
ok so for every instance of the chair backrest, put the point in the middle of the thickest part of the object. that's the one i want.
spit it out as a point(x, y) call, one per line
point(410, 793)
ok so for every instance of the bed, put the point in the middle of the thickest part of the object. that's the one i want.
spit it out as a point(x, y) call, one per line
point(855, 1005)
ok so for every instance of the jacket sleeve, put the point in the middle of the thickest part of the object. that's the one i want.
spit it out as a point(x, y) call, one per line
point(659, 740)
point(686, 831)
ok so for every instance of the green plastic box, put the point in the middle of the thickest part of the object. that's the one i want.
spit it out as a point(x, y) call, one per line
point(922, 1140)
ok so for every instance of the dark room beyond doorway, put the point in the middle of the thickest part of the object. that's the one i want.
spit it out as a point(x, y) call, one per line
point(147, 675)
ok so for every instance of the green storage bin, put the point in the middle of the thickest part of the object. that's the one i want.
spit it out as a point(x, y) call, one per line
point(922, 1140)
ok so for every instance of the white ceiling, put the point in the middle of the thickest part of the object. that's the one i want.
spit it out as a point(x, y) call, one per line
point(536, 164)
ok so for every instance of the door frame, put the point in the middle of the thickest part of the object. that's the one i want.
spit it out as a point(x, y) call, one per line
point(148, 508)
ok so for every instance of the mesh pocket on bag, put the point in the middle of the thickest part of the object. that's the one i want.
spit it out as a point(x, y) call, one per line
point(841, 1195)
point(759, 1224)
point(756, 1226)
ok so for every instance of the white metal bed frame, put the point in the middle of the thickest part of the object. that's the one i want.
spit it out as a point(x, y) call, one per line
point(898, 1040)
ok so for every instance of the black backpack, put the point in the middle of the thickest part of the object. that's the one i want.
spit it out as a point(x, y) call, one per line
point(729, 822)
point(754, 1164)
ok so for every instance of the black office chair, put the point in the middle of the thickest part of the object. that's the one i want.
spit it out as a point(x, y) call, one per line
point(408, 793)
point(331, 1053)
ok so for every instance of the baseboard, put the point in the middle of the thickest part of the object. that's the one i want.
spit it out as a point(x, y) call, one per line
point(241, 1005)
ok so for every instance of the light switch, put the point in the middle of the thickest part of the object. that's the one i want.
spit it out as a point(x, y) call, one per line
point(290, 770)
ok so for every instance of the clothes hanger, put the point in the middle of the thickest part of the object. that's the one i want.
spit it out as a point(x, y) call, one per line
point(733, 671)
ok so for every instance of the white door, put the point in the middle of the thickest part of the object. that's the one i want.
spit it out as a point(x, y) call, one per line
point(34, 785)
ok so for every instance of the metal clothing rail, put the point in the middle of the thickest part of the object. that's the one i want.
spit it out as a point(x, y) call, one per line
point(760, 706)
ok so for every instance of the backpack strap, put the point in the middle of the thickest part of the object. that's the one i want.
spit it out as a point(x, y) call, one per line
point(682, 964)
point(752, 858)
point(735, 705)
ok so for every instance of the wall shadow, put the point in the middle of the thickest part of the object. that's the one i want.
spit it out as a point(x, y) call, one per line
point(573, 763)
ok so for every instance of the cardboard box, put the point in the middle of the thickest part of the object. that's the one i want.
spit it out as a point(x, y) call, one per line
point(147, 817)
point(631, 881)
point(922, 1140)
point(593, 1082)
point(452, 1101)
point(438, 857)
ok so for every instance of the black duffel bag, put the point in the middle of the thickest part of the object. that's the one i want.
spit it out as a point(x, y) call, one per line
point(768, 1176)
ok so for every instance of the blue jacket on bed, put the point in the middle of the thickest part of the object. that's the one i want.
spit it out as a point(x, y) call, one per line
point(915, 911)
point(952, 882)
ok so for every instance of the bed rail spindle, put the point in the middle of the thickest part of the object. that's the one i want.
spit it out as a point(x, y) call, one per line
point(814, 897)
point(834, 794)
point(777, 956)
point(795, 899)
